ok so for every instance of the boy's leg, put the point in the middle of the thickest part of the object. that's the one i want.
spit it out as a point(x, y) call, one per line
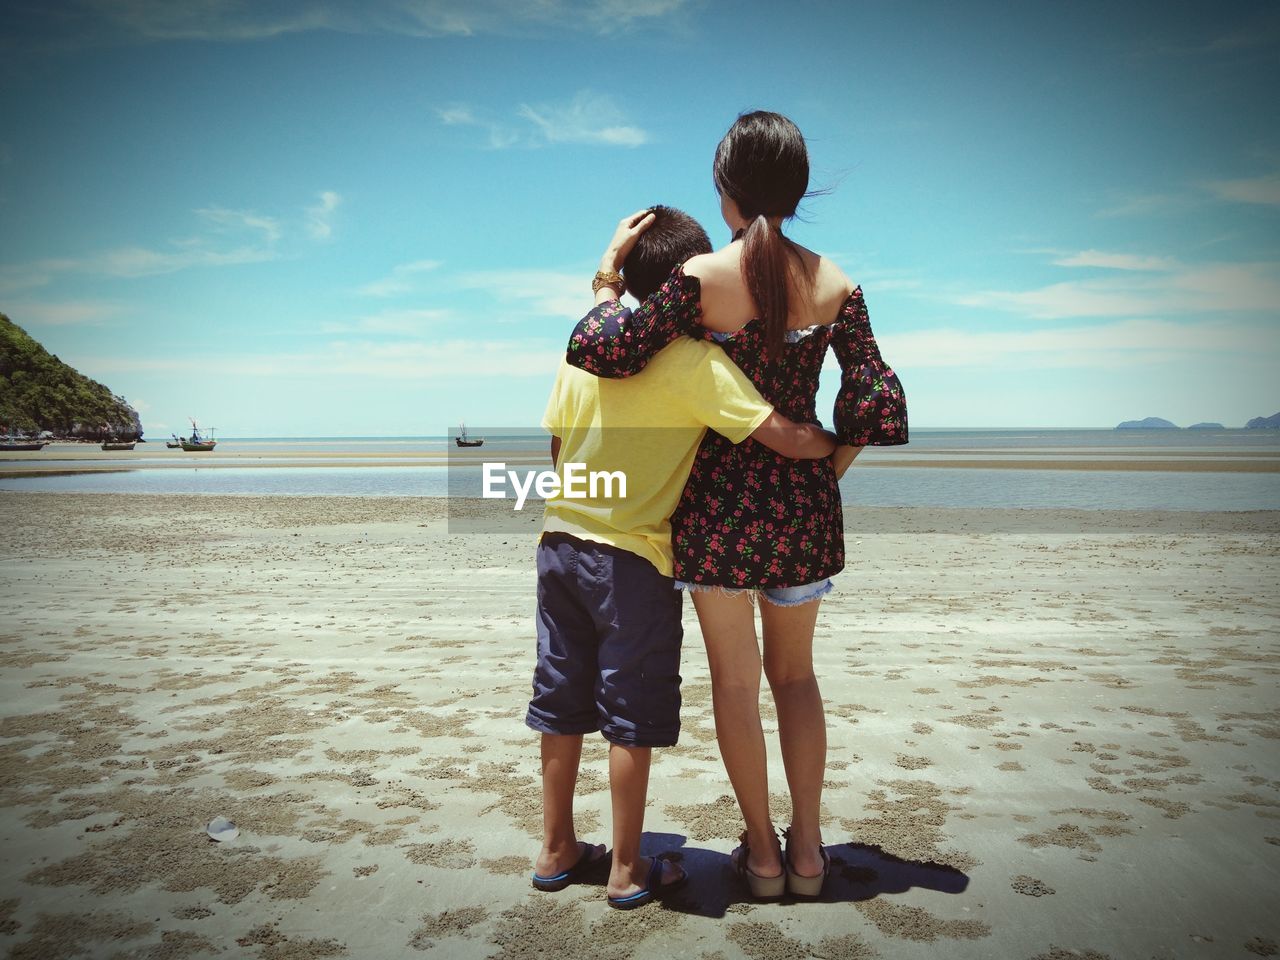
point(563, 704)
point(560, 851)
point(629, 789)
point(638, 698)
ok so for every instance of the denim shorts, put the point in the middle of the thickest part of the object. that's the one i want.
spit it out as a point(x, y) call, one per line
point(778, 596)
point(609, 636)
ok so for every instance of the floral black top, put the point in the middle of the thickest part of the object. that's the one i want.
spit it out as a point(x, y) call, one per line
point(749, 517)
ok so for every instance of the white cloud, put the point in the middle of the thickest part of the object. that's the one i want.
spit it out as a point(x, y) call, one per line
point(589, 118)
point(400, 280)
point(197, 251)
point(1229, 286)
point(319, 223)
point(68, 313)
point(400, 322)
point(500, 136)
point(1146, 205)
point(1073, 299)
point(1262, 191)
point(227, 20)
point(876, 277)
point(143, 262)
point(1259, 190)
point(538, 292)
point(127, 262)
point(240, 219)
point(1257, 32)
point(1115, 261)
point(25, 276)
point(1123, 345)
point(1181, 289)
point(611, 16)
point(471, 361)
point(236, 21)
point(453, 116)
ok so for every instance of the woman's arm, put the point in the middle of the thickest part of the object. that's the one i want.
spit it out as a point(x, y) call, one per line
point(613, 341)
point(871, 406)
point(615, 254)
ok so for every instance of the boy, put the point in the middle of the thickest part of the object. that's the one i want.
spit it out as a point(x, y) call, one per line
point(608, 616)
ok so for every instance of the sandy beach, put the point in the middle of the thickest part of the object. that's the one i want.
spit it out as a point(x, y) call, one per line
point(1053, 734)
point(68, 458)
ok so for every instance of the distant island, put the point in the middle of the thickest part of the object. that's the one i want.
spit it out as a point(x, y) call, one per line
point(1159, 423)
point(39, 393)
point(1150, 423)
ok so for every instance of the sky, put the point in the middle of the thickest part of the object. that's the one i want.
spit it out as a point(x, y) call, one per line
point(381, 218)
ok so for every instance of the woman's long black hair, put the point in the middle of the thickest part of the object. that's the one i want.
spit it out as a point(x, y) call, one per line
point(762, 165)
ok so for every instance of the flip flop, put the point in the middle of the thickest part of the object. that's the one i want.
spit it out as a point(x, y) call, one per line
point(653, 887)
point(589, 854)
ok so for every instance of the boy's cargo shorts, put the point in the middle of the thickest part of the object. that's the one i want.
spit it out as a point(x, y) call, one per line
point(609, 638)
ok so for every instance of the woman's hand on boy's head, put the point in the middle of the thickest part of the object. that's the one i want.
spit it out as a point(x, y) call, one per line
point(624, 239)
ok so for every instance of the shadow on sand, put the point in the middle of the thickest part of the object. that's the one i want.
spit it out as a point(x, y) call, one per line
point(859, 871)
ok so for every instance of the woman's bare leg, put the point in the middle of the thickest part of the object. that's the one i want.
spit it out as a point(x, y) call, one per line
point(802, 725)
point(729, 631)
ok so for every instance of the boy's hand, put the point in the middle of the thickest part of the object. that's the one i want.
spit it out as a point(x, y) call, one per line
point(624, 239)
point(799, 441)
point(843, 458)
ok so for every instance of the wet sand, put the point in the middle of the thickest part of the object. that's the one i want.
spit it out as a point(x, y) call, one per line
point(63, 459)
point(1053, 734)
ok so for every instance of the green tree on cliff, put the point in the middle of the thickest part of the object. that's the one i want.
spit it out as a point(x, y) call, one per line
point(40, 392)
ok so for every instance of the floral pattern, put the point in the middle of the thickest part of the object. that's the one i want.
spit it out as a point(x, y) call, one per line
point(750, 517)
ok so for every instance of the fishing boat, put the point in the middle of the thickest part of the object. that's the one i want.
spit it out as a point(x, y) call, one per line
point(463, 440)
point(118, 444)
point(19, 443)
point(197, 442)
point(175, 443)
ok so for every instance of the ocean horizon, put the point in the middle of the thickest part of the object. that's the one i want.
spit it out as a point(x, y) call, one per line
point(1016, 467)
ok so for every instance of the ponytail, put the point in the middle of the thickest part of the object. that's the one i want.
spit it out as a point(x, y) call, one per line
point(764, 269)
point(762, 165)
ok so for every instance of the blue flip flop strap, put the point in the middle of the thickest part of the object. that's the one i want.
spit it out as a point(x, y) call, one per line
point(556, 878)
point(584, 852)
point(652, 883)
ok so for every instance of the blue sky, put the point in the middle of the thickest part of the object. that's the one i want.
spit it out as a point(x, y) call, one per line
point(381, 218)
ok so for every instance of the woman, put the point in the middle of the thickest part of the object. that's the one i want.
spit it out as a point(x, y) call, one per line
point(751, 522)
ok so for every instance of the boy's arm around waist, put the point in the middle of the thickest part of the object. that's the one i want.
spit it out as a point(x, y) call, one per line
point(724, 398)
point(799, 441)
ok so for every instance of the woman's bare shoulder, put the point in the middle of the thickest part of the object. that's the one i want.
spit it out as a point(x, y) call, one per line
point(828, 279)
point(831, 287)
point(726, 304)
point(719, 266)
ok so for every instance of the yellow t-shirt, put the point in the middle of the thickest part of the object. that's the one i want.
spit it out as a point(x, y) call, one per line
point(646, 427)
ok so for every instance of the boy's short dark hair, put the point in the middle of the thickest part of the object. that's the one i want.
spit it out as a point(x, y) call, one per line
point(674, 238)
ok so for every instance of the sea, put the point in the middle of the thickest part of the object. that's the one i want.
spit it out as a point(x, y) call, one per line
point(1234, 470)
